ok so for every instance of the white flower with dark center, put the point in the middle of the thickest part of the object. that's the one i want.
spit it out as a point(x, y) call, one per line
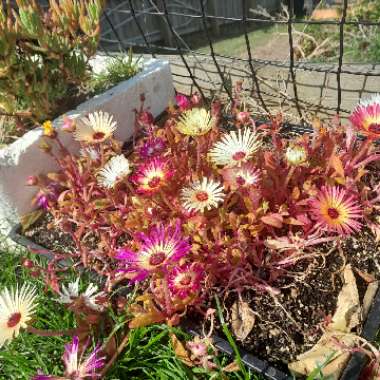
point(95, 128)
point(201, 195)
point(16, 309)
point(116, 169)
point(235, 148)
point(90, 152)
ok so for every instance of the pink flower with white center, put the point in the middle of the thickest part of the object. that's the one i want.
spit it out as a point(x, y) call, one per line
point(242, 176)
point(182, 102)
point(150, 177)
point(185, 280)
point(366, 117)
point(77, 368)
point(151, 147)
point(161, 246)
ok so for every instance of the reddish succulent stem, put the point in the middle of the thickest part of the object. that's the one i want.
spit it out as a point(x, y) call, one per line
point(70, 332)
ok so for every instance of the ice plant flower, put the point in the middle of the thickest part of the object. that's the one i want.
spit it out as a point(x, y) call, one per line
point(195, 122)
point(162, 245)
point(70, 294)
point(235, 148)
point(95, 128)
point(48, 128)
point(68, 124)
point(78, 367)
point(182, 102)
point(115, 170)
point(16, 310)
point(366, 117)
point(151, 147)
point(90, 152)
point(296, 155)
point(48, 194)
point(151, 176)
point(337, 211)
point(242, 176)
point(185, 280)
point(201, 195)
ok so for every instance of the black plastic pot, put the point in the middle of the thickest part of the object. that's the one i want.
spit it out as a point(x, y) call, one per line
point(352, 371)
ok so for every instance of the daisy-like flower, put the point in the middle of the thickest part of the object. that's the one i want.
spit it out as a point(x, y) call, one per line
point(151, 147)
point(235, 148)
point(48, 128)
point(70, 294)
point(90, 152)
point(95, 128)
point(366, 117)
point(335, 210)
point(157, 248)
point(296, 155)
point(195, 122)
point(242, 176)
point(201, 195)
point(16, 309)
point(78, 367)
point(186, 280)
point(150, 177)
point(115, 170)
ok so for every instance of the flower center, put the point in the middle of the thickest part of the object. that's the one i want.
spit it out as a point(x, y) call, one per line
point(202, 196)
point(333, 213)
point(240, 180)
point(185, 280)
point(14, 320)
point(98, 135)
point(154, 182)
point(157, 258)
point(238, 156)
point(374, 127)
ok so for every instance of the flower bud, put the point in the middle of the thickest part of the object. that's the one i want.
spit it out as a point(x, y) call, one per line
point(296, 155)
point(48, 129)
point(68, 124)
point(32, 180)
point(243, 117)
point(26, 263)
point(182, 102)
point(196, 99)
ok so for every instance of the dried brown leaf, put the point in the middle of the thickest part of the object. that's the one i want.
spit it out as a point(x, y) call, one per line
point(242, 319)
point(180, 351)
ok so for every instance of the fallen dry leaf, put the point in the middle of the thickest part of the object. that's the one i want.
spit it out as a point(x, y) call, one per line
point(232, 367)
point(242, 319)
point(368, 297)
point(180, 351)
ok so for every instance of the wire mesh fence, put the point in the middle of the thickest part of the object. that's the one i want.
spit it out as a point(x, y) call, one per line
point(211, 44)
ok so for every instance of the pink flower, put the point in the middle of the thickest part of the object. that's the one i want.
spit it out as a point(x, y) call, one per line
point(145, 118)
point(32, 180)
point(185, 280)
point(366, 117)
point(151, 147)
point(335, 210)
point(161, 246)
point(150, 177)
point(242, 176)
point(68, 124)
point(244, 118)
point(183, 102)
point(77, 368)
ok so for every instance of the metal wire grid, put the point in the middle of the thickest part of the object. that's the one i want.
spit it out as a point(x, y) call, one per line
point(211, 72)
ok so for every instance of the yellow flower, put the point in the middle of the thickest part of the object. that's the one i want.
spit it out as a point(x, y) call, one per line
point(296, 155)
point(48, 128)
point(195, 122)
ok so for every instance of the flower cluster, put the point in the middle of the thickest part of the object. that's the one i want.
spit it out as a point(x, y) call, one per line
point(194, 204)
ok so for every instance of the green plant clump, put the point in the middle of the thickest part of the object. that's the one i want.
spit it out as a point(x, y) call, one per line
point(44, 55)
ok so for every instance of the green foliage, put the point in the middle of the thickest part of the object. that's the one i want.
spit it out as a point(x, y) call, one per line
point(118, 69)
point(44, 54)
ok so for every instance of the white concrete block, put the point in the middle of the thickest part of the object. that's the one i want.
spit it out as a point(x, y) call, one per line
point(24, 157)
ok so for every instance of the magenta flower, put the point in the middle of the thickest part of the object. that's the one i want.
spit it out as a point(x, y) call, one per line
point(151, 147)
point(77, 368)
point(185, 280)
point(183, 102)
point(161, 246)
point(150, 177)
point(48, 194)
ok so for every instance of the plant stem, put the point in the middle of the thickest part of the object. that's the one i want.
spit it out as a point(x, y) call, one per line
point(289, 176)
point(166, 201)
point(115, 355)
point(231, 341)
point(70, 332)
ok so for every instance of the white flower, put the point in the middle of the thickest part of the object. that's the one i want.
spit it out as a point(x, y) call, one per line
point(374, 99)
point(90, 152)
point(242, 176)
point(16, 309)
point(95, 128)
point(113, 171)
point(201, 195)
point(70, 294)
point(195, 122)
point(296, 155)
point(235, 148)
